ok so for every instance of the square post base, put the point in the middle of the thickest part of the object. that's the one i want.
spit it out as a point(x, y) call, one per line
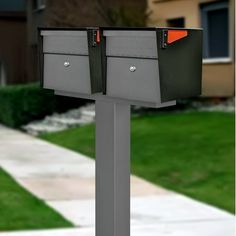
point(112, 169)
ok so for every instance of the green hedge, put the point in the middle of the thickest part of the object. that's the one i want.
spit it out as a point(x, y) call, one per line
point(20, 104)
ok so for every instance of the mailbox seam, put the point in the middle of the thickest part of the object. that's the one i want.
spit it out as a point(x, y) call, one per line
point(133, 57)
point(65, 54)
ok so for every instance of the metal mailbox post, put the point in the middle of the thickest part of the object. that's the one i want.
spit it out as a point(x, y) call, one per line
point(119, 67)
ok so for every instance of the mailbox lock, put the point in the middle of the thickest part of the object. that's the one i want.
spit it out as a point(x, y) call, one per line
point(132, 68)
point(66, 63)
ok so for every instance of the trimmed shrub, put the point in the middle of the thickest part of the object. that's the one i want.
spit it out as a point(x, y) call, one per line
point(20, 104)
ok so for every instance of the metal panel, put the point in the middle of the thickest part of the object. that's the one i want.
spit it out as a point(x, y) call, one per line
point(97, 61)
point(52, 32)
point(112, 169)
point(180, 66)
point(65, 42)
point(142, 84)
point(105, 98)
point(74, 77)
point(130, 33)
point(131, 44)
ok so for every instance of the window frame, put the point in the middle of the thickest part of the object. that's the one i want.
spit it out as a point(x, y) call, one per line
point(3, 74)
point(204, 10)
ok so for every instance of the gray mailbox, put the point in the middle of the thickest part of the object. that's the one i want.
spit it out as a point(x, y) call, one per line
point(117, 67)
point(71, 62)
point(149, 66)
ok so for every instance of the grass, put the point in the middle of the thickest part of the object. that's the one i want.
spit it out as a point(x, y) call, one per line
point(191, 153)
point(20, 210)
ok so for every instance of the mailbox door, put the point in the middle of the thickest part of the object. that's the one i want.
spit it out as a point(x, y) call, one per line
point(127, 78)
point(67, 73)
point(132, 65)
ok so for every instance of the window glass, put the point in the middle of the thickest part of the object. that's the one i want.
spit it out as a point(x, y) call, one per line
point(218, 33)
point(2, 74)
point(215, 22)
point(177, 22)
point(39, 4)
point(12, 5)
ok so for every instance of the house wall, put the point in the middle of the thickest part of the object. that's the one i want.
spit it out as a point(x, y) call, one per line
point(90, 13)
point(218, 77)
point(35, 18)
point(13, 46)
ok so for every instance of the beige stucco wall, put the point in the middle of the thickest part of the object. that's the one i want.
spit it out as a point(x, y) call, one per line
point(218, 79)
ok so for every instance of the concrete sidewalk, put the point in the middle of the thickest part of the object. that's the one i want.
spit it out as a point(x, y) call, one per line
point(65, 180)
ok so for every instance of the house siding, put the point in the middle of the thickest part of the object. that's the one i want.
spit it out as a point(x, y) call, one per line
point(13, 46)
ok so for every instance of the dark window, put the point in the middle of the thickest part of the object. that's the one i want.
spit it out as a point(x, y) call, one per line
point(177, 22)
point(3, 79)
point(215, 23)
point(39, 4)
point(12, 5)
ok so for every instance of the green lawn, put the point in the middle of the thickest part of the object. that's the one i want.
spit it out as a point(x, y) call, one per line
point(20, 210)
point(191, 153)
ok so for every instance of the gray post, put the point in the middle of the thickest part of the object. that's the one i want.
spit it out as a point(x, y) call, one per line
point(112, 169)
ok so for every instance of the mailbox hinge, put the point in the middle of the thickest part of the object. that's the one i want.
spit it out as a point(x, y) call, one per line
point(164, 37)
point(96, 38)
point(172, 35)
point(97, 60)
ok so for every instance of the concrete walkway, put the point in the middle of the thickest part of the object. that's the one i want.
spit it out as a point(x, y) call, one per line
point(65, 181)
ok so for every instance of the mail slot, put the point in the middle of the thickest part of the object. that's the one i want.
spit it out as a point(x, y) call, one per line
point(151, 65)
